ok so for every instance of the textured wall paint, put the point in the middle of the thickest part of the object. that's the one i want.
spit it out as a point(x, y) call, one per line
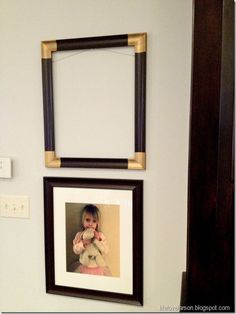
point(23, 24)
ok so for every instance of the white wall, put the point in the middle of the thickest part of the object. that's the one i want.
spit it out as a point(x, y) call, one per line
point(23, 24)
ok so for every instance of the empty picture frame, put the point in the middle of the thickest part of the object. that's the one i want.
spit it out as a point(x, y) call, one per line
point(139, 42)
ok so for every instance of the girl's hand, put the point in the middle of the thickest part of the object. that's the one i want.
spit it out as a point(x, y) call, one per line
point(78, 248)
point(86, 242)
point(96, 235)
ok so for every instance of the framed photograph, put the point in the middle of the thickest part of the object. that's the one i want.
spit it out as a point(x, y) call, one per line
point(49, 48)
point(94, 238)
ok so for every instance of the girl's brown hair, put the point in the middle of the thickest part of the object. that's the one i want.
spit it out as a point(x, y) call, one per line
point(93, 210)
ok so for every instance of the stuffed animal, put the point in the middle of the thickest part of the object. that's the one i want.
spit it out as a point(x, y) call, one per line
point(91, 256)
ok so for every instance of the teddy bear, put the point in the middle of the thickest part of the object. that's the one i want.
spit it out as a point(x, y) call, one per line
point(91, 256)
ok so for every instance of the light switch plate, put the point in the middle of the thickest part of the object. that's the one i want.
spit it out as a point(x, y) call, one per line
point(5, 167)
point(14, 206)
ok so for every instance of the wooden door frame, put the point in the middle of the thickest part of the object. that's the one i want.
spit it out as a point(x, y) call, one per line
point(209, 278)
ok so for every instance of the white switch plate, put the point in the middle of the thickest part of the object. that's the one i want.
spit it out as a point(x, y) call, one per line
point(5, 167)
point(14, 206)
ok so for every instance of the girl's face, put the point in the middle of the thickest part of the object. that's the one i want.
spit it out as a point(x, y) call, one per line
point(90, 221)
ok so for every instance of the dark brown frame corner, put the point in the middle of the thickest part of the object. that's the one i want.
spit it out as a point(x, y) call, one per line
point(139, 42)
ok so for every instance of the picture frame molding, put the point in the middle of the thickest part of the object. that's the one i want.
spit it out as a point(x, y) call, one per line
point(139, 42)
point(136, 186)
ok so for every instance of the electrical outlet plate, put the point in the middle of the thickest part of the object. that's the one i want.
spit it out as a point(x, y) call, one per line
point(5, 167)
point(16, 206)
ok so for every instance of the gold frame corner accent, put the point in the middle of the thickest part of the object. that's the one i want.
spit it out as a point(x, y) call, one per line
point(51, 161)
point(47, 47)
point(139, 161)
point(139, 41)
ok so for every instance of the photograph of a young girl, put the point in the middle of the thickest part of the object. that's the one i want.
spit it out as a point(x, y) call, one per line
point(93, 239)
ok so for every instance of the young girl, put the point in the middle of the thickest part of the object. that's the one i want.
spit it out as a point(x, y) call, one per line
point(90, 244)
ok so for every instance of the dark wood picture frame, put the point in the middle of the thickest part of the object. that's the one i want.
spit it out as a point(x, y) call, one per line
point(139, 42)
point(136, 189)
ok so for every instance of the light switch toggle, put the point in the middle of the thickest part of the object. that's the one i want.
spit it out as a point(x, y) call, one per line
point(14, 206)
